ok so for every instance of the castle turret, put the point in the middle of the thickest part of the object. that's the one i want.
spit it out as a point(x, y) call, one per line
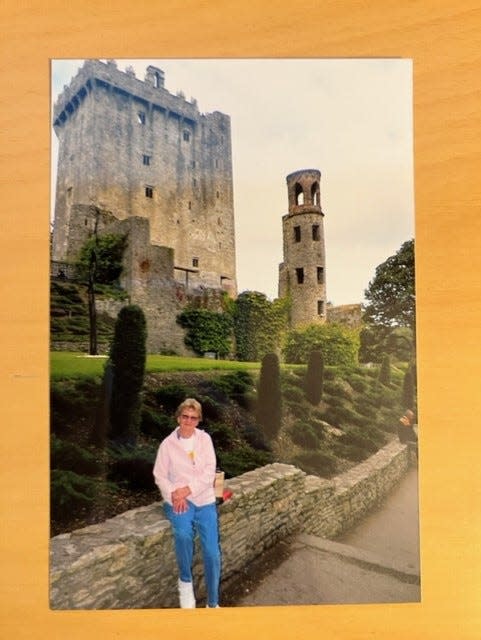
point(302, 274)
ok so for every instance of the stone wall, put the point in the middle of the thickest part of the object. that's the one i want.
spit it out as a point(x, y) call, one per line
point(128, 561)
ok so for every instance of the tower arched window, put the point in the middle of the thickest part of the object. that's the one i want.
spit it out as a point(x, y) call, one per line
point(315, 196)
point(299, 193)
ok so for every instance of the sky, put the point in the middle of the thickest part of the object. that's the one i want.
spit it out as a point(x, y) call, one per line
point(349, 118)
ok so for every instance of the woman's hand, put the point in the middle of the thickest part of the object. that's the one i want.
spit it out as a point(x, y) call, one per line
point(179, 502)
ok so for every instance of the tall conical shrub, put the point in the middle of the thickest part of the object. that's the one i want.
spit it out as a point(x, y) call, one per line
point(385, 370)
point(127, 357)
point(269, 400)
point(408, 392)
point(314, 377)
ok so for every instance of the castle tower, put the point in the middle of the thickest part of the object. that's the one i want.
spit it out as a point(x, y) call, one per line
point(128, 148)
point(302, 274)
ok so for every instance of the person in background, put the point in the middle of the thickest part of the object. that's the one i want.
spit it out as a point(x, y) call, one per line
point(184, 471)
point(405, 429)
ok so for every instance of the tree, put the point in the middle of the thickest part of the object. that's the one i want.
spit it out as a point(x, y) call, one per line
point(391, 293)
point(127, 357)
point(385, 370)
point(409, 388)
point(314, 377)
point(207, 331)
point(107, 251)
point(100, 261)
point(269, 399)
point(338, 344)
point(258, 325)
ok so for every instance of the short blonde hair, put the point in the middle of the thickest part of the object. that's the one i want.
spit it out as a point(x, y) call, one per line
point(189, 403)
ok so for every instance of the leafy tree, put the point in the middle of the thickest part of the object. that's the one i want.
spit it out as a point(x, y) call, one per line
point(207, 330)
point(338, 344)
point(391, 293)
point(314, 377)
point(107, 252)
point(269, 400)
point(127, 357)
point(258, 325)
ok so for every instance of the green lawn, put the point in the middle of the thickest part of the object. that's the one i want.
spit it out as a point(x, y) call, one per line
point(64, 364)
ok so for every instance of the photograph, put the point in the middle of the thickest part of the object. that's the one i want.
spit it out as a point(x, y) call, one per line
point(240, 320)
point(233, 404)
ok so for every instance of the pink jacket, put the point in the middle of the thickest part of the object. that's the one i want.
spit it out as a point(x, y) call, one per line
point(174, 468)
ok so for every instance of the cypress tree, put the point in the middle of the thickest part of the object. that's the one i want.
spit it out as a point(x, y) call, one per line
point(269, 401)
point(314, 377)
point(385, 370)
point(408, 395)
point(127, 358)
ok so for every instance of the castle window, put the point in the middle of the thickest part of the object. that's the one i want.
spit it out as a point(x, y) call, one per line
point(320, 307)
point(217, 194)
point(315, 232)
point(146, 160)
point(299, 193)
point(297, 234)
point(69, 195)
point(149, 192)
point(320, 275)
point(300, 275)
point(186, 136)
point(195, 262)
point(141, 117)
point(195, 182)
point(315, 194)
point(190, 205)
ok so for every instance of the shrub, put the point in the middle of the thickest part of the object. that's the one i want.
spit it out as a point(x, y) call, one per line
point(269, 401)
point(408, 392)
point(350, 452)
point(338, 344)
point(385, 371)
point(292, 394)
point(171, 395)
point(314, 377)
point(207, 330)
point(242, 459)
point(70, 492)
point(223, 436)
point(304, 435)
point(254, 436)
point(318, 463)
point(156, 425)
point(133, 468)
point(127, 357)
point(69, 456)
point(357, 439)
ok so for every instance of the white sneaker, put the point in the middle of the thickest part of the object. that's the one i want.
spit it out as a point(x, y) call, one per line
point(186, 595)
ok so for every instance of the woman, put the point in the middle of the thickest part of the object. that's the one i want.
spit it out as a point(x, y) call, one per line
point(184, 471)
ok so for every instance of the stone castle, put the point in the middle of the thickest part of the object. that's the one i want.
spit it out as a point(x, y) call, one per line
point(138, 160)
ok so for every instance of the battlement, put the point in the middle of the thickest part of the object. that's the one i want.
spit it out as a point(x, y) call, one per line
point(150, 91)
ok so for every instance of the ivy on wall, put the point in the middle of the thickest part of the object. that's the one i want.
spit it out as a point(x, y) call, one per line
point(258, 325)
point(207, 331)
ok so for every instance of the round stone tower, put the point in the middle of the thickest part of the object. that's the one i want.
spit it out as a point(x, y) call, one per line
point(302, 275)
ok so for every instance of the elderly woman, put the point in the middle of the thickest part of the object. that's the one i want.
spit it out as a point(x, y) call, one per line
point(184, 471)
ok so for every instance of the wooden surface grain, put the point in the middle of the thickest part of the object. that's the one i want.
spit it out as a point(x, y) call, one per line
point(443, 40)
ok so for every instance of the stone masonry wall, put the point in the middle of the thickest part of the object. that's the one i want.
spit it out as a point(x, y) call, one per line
point(128, 561)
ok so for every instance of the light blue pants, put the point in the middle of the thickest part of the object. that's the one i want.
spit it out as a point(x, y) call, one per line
point(201, 520)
